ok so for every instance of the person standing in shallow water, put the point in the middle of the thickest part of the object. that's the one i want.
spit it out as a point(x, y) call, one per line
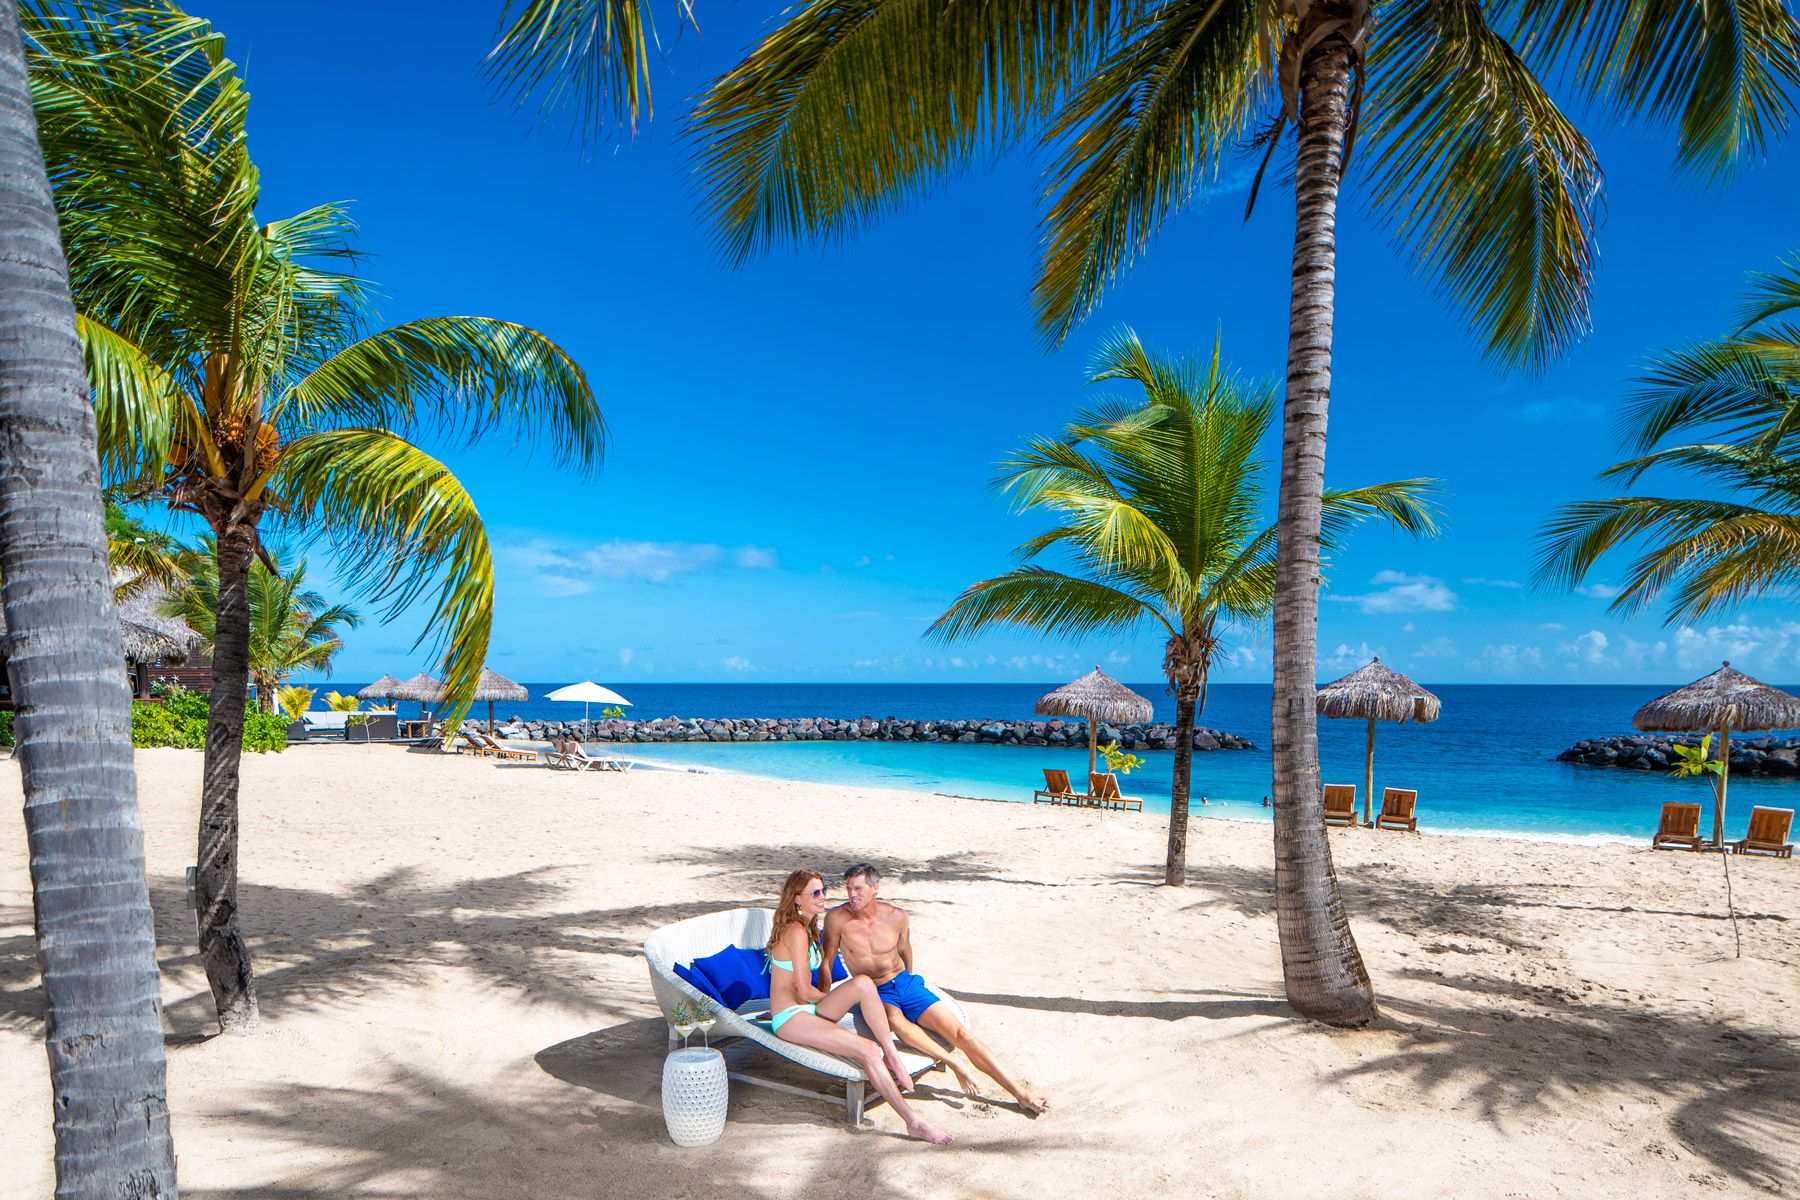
point(807, 1014)
point(875, 939)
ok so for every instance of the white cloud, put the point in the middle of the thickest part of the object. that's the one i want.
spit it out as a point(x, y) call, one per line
point(1241, 657)
point(1402, 593)
point(1499, 583)
point(1409, 627)
point(735, 662)
point(1441, 647)
point(754, 558)
point(1766, 647)
point(1553, 626)
point(863, 664)
point(1347, 656)
point(1510, 658)
point(625, 655)
point(864, 561)
point(1589, 648)
point(1115, 659)
point(1598, 591)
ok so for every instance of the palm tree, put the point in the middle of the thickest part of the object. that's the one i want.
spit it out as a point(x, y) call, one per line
point(1159, 506)
point(291, 627)
point(849, 109)
point(238, 374)
point(96, 947)
point(1718, 552)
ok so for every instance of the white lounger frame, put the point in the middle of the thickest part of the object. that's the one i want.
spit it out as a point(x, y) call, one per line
point(698, 937)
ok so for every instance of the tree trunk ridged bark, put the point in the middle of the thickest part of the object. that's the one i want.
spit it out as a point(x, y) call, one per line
point(1320, 964)
point(1175, 869)
point(96, 946)
point(222, 949)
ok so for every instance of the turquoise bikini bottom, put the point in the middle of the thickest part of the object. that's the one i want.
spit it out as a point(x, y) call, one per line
point(780, 1018)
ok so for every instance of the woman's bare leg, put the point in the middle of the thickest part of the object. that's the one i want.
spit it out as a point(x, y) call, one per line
point(819, 1033)
point(859, 992)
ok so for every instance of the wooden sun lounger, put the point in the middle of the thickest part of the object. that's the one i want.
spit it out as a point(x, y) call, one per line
point(1768, 833)
point(1057, 790)
point(1103, 792)
point(1679, 828)
point(502, 751)
point(1340, 804)
point(471, 743)
point(1397, 809)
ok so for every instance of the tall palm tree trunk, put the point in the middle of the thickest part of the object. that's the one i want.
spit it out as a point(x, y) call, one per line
point(96, 944)
point(222, 948)
point(1323, 972)
point(1175, 869)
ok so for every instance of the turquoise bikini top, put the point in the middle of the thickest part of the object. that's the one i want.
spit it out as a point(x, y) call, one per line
point(812, 960)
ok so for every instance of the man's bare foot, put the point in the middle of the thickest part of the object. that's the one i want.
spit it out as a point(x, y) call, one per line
point(965, 1082)
point(1032, 1103)
point(929, 1133)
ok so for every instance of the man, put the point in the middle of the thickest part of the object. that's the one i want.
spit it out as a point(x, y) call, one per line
point(875, 939)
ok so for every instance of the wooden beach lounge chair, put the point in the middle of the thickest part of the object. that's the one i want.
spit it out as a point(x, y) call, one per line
point(1057, 790)
point(501, 751)
point(570, 754)
point(1768, 833)
point(1340, 804)
point(472, 744)
point(1397, 809)
point(740, 1034)
point(1679, 828)
point(1103, 792)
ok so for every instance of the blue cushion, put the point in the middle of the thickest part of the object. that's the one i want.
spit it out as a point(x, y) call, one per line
point(697, 981)
point(737, 975)
point(839, 972)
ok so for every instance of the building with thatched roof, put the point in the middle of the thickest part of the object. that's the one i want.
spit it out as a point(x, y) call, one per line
point(156, 647)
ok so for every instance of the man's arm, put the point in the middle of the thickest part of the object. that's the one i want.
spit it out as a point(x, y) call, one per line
point(905, 938)
point(828, 946)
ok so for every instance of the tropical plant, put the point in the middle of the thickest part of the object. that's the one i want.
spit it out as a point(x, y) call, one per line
point(1158, 503)
point(849, 108)
point(238, 374)
point(1696, 762)
point(1741, 542)
point(292, 628)
point(1121, 761)
point(96, 948)
point(294, 701)
point(140, 556)
point(338, 702)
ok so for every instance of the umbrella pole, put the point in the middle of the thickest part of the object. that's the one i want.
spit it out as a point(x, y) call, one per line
point(1369, 773)
point(1724, 781)
point(1092, 733)
point(490, 716)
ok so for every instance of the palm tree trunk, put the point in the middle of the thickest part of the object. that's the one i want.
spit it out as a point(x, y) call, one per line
point(222, 949)
point(96, 945)
point(1320, 964)
point(1175, 869)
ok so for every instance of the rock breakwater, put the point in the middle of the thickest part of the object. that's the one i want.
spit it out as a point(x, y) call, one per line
point(1648, 752)
point(1144, 736)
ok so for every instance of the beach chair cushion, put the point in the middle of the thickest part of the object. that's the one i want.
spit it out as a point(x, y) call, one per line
point(694, 979)
point(736, 974)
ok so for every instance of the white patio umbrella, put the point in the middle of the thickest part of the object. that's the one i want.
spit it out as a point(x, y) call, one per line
point(588, 692)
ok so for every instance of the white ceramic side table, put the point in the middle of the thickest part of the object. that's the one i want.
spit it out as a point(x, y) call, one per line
point(694, 1095)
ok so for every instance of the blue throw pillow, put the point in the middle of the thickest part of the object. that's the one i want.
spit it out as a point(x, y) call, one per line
point(839, 972)
point(697, 981)
point(737, 975)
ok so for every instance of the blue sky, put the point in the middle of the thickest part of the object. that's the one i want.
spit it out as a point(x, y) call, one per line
point(797, 482)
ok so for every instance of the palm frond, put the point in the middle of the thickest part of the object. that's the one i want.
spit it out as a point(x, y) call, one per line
point(1405, 504)
point(589, 55)
point(1048, 601)
point(1727, 386)
point(1137, 139)
point(1483, 181)
point(850, 107)
point(1772, 294)
point(139, 407)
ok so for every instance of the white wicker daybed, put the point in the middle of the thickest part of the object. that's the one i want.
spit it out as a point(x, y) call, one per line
point(698, 937)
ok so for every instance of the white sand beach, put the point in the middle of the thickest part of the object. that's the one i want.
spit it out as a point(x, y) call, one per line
point(455, 1003)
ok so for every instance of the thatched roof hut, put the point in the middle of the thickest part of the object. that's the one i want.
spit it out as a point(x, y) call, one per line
point(494, 686)
point(381, 689)
point(1096, 697)
point(1376, 693)
point(1726, 699)
point(1723, 701)
point(148, 635)
point(421, 688)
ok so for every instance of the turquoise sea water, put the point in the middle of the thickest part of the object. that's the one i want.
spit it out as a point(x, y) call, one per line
point(1485, 766)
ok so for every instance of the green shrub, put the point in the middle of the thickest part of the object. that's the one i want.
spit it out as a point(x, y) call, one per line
point(6, 727)
point(264, 731)
point(180, 721)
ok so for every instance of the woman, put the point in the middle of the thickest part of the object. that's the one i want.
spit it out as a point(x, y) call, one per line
point(807, 1016)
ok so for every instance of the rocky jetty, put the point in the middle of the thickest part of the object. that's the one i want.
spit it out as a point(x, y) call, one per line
point(1146, 736)
point(1648, 752)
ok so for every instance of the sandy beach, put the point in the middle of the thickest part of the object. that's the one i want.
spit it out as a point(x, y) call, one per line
point(455, 1003)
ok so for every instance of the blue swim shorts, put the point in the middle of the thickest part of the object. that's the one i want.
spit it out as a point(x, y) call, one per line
point(908, 993)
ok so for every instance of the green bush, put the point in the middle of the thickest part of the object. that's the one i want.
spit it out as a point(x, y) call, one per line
point(180, 721)
point(6, 728)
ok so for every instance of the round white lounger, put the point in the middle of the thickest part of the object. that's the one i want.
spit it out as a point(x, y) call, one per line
point(698, 937)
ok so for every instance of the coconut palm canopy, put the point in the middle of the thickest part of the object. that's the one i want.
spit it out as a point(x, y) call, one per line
point(494, 686)
point(1098, 697)
point(381, 689)
point(1378, 693)
point(422, 688)
point(1726, 699)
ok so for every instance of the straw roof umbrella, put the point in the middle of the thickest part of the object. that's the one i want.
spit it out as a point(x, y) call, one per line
point(1095, 697)
point(1376, 693)
point(493, 686)
point(422, 688)
point(381, 689)
point(1723, 701)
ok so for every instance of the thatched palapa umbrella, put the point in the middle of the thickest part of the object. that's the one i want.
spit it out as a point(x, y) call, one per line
point(1376, 693)
point(423, 688)
point(492, 687)
point(1723, 701)
point(381, 689)
point(1096, 697)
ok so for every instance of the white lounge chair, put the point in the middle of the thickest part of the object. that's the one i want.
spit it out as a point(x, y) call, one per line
point(698, 937)
point(571, 755)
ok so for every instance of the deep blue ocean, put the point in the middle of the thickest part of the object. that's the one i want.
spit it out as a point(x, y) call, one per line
point(1486, 765)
